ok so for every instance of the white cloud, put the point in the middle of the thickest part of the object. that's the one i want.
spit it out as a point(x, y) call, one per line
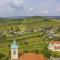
point(28, 7)
point(31, 9)
point(45, 11)
point(17, 2)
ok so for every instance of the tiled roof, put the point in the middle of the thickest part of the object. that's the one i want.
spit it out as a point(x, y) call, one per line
point(32, 56)
point(57, 47)
point(53, 42)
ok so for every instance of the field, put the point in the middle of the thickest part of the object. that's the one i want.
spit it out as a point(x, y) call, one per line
point(30, 34)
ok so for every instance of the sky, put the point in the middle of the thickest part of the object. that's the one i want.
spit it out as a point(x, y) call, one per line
point(12, 8)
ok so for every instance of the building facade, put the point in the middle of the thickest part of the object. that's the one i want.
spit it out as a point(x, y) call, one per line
point(54, 45)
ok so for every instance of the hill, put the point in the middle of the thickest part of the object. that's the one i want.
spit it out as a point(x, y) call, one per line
point(30, 33)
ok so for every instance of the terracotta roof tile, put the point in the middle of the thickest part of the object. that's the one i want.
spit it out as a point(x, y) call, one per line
point(53, 42)
point(57, 47)
point(32, 56)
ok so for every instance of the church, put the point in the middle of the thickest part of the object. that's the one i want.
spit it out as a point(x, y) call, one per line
point(14, 51)
point(25, 56)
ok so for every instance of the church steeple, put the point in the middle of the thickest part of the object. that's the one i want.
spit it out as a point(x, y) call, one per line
point(14, 44)
point(14, 50)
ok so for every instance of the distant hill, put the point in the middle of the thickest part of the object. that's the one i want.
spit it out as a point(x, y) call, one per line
point(53, 17)
point(36, 16)
point(20, 17)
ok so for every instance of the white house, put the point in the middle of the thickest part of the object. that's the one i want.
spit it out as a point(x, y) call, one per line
point(54, 45)
point(14, 51)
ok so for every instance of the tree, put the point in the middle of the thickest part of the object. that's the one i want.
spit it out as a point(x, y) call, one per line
point(11, 28)
point(2, 56)
point(7, 58)
point(47, 52)
point(56, 54)
point(36, 51)
point(17, 29)
point(26, 42)
point(25, 51)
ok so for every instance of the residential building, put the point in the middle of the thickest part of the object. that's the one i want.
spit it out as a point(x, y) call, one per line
point(54, 45)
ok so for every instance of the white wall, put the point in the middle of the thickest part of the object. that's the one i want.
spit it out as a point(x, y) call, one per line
point(14, 56)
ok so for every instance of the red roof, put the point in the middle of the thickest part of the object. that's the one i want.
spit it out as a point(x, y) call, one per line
point(32, 56)
point(57, 47)
point(53, 42)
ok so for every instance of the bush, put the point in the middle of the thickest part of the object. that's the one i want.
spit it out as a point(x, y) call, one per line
point(56, 54)
point(47, 52)
point(25, 51)
point(36, 51)
point(2, 56)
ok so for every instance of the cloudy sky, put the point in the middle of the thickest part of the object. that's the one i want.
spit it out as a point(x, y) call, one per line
point(11, 8)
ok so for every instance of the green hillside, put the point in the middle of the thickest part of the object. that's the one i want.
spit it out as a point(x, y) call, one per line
point(30, 33)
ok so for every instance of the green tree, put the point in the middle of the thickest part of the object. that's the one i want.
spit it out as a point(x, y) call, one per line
point(36, 51)
point(47, 52)
point(2, 56)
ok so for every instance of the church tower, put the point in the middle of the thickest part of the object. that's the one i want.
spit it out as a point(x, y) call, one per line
point(14, 51)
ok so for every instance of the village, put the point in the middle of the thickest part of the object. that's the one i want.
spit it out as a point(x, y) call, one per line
point(49, 32)
point(36, 39)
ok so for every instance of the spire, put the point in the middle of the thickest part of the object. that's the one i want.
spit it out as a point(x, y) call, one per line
point(14, 42)
point(14, 45)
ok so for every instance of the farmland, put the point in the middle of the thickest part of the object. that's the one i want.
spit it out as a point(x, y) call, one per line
point(30, 33)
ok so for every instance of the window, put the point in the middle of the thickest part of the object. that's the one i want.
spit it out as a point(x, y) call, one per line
point(14, 52)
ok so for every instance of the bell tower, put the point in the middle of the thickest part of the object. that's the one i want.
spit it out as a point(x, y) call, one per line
point(14, 51)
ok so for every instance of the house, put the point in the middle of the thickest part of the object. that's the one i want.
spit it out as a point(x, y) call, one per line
point(35, 30)
point(4, 32)
point(50, 36)
point(18, 33)
point(51, 31)
point(54, 45)
point(56, 35)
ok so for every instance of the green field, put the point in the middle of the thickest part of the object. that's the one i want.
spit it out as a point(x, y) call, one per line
point(28, 40)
